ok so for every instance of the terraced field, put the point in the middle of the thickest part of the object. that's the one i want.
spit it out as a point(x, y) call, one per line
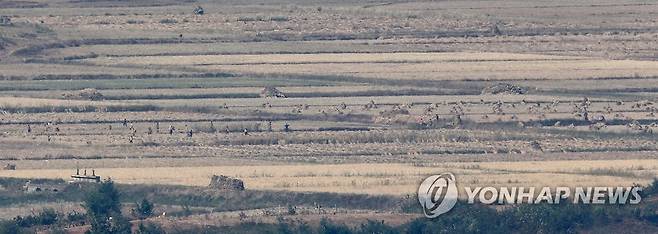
point(414, 66)
point(344, 97)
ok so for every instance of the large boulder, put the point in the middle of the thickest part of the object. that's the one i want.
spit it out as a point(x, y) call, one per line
point(226, 183)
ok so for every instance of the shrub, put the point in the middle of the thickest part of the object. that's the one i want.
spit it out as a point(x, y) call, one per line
point(651, 189)
point(143, 209)
point(648, 212)
point(279, 18)
point(45, 217)
point(376, 227)
point(149, 228)
point(548, 218)
point(462, 219)
point(9, 227)
point(134, 22)
point(168, 21)
point(327, 227)
point(247, 18)
point(48, 217)
point(75, 217)
point(104, 210)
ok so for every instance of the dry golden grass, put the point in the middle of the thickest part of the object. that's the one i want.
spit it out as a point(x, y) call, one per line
point(391, 179)
point(326, 58)
point(35, 69)
point(618, 46)
point(488, 70)
point(102, 116)
point(434, 66)
point(21, 102)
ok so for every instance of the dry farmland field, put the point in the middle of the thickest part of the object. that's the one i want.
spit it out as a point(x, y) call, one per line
point(332, 109)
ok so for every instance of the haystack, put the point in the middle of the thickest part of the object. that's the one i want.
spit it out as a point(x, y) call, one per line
point(86, 94)
point(226, 183)
point(269, 92)
point(504, 88)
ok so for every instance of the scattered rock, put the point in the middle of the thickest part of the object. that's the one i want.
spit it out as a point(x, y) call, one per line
point(394, 112)
point(88, 94)
point(226, 183)
point(504, 88)
point(536, 146)
point(396, 115)
point(9, 166)
point(269, 92)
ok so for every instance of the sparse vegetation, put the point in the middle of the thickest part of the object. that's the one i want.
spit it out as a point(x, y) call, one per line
point(104, 210)
point(143, 209)
point(168, 21)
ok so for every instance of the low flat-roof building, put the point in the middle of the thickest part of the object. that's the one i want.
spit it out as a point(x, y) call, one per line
point(77, 178)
